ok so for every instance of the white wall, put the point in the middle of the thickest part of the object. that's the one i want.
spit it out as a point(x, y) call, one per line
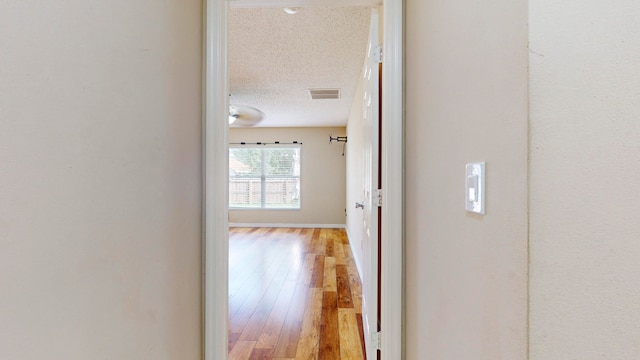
point(466, 101)
point(355, 171)
point(100, 179)
point(585, 171)
point(322, 176)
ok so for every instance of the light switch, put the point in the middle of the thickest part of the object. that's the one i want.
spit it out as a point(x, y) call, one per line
point(475, 187)
point(472, 187)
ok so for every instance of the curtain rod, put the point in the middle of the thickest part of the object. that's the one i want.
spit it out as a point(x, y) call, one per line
point(266, 143)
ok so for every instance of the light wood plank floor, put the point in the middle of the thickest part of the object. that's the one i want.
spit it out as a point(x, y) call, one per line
point(293, 294)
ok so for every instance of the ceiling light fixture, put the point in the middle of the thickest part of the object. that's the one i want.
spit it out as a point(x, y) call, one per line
point(291, 10)
point(243, 115)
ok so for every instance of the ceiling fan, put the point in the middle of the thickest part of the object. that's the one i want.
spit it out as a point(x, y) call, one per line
point(243, 115)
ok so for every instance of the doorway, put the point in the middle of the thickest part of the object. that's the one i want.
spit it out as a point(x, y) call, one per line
point(216, 177)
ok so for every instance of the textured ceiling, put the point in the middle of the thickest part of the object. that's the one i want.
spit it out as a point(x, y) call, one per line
point(275, 57)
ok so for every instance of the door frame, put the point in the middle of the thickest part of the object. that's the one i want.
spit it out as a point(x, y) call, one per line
point(215, 182)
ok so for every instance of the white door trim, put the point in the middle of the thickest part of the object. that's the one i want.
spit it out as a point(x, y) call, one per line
point(216, 235)
point(216, 168)
point(392, 226)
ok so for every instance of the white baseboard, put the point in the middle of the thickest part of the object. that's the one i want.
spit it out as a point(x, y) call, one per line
point(355, 254)
point(273, 225)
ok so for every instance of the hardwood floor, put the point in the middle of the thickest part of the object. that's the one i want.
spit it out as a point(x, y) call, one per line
point(293, 294)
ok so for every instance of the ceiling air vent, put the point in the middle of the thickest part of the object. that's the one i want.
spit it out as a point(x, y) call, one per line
point(317, 94)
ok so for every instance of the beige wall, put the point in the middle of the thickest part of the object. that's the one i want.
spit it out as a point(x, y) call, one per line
point(466, 101)
point(322, 177)
point(585, 171)
point(100, 179)
point(355, 171)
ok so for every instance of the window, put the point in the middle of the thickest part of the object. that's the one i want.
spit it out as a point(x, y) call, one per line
point(264, 177)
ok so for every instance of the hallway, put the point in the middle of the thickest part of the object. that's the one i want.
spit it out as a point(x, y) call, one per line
point(293, 294)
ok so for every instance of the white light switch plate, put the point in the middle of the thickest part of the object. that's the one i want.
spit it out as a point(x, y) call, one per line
point(475, 184)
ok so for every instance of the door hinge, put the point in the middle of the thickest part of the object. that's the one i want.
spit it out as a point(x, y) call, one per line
point(377, 54)
point(377, 197)
point(376, 340)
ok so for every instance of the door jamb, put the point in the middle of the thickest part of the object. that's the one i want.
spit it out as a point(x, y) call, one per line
point(392, 132)
point(216, 224)
point(216, 168)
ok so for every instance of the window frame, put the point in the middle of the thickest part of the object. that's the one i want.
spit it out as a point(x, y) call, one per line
point(263, 176)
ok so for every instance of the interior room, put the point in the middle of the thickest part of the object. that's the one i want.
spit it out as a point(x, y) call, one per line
point(296, 161)
point(107, 208)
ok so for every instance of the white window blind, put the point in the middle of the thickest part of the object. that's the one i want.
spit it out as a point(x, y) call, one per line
point(264, 177)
